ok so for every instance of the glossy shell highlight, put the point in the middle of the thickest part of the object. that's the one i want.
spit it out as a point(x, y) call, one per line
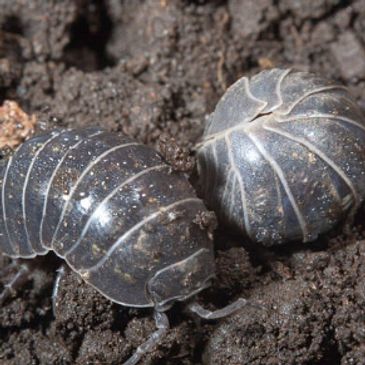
point(111, 208)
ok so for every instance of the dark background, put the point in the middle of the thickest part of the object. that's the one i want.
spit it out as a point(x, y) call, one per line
point(158, 67)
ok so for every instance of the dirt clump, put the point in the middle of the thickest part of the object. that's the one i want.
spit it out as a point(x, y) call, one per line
point(15, 125)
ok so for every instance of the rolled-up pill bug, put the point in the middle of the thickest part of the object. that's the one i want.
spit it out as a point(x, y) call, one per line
point(283, 156)
point(114, 211)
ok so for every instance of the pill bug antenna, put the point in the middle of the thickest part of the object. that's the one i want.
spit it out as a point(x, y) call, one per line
point(163, 325)
point(17, 281)
point(219, 313)
point(60, 274)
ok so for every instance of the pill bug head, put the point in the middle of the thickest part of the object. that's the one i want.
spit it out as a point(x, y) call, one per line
point(283, 156)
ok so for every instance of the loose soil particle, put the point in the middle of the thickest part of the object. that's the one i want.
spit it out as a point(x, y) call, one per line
point(155, 69)
point(16, 125)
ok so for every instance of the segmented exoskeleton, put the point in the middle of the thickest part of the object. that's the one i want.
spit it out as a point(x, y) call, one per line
point(283, 156)
point(115, 212)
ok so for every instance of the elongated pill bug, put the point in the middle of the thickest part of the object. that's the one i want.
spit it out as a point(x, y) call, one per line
point(282, 157)
point(116, 213)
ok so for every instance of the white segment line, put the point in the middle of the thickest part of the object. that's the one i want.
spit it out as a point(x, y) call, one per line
point(239, 179)
point(251, 96)
point(278, 89)
point(81, 177)
point(277, 169)
point(221, 134)
point(325, 116)
point(44, 210)
point(241, 126)
point(26, 181)
point(7, 236)
point(238, 86)
point(322, 156)
point(307, 94)
point(108, 197)
point(137, 226)
point(10, 160)
point(218, 136)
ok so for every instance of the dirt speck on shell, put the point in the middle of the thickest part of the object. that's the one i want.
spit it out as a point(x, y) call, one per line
point(155, 69)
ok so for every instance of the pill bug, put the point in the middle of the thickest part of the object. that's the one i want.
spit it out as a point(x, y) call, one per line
point(114, 211)
point(282, 156)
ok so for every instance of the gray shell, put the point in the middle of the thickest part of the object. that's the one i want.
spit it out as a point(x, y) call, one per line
point(107, 205)
point(283, 156)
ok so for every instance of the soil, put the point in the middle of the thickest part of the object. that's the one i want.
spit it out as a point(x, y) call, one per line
point(154, 69)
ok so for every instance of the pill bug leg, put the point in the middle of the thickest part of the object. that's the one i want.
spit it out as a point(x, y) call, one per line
point(163, 325)
point(60, 274)
point(15, 283)
point(220, 313)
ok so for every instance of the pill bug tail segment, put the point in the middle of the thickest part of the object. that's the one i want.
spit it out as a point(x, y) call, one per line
point(181, 280)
